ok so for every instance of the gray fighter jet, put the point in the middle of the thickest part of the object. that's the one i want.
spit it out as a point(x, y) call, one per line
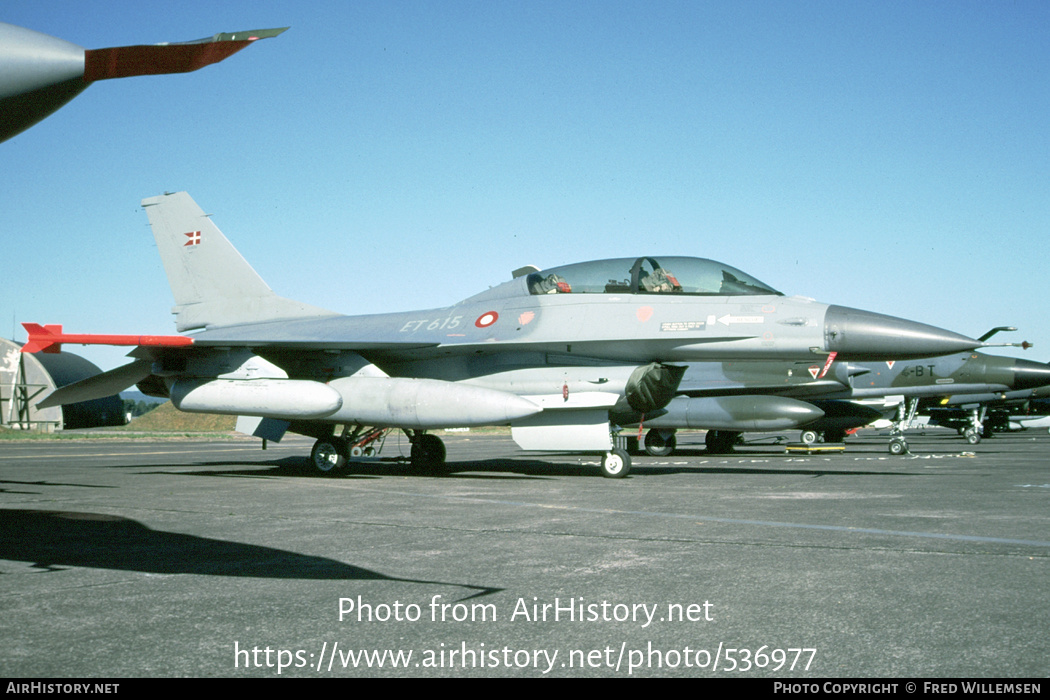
point(550, 353)
point(40, 73)
point(968, 379)
point(977, 416)
point(823, 401)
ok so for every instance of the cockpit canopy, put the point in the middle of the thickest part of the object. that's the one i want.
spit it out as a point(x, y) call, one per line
point(672, 275)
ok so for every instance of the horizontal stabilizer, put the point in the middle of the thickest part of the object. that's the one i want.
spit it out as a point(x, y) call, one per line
point(99, 386)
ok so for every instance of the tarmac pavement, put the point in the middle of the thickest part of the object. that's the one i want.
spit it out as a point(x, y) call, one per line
point(163, 558)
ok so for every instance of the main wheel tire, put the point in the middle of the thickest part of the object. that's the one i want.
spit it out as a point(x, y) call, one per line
point(834, 436)
point(657, 445)
point(973, 436)
point(428, 454)
point(898, 446)
point(329, 454)
point(616, 464)
point(809, 436)
point(721, 442)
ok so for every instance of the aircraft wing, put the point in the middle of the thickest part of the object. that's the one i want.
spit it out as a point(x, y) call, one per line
point(326, 333)
point(176, 57)
point(40, 73)
point(150, 351)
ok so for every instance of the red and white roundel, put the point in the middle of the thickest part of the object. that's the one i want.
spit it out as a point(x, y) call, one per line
point(486, 319)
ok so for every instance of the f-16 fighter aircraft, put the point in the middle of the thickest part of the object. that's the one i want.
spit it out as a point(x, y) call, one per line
point(550, 353)
point(39, 73)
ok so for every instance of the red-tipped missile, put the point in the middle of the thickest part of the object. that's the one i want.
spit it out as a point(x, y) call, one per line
point(40, 73)
point(50, 338)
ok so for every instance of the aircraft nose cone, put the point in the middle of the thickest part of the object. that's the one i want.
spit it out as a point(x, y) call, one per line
point(1029, 375)
point(864, 335)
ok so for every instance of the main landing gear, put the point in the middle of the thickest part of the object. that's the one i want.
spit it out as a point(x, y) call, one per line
point(660, 442)
point(330, 454)
point(428, 452)
point(721, 442)
point(812, 437)
point(334, 452)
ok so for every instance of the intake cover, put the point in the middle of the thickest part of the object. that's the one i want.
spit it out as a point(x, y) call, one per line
point(653, 386)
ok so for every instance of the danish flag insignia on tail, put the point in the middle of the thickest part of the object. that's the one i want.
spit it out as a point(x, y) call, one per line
point(194, 238)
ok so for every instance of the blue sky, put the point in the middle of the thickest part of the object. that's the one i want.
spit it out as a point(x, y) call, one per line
point(386, 156)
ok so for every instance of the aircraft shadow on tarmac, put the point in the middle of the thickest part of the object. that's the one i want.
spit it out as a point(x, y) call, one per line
point(11, 486)
point(302, 468)
point(53, 539)
point(515, 469)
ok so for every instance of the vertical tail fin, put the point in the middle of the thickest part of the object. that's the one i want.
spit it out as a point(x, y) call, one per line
point(212, 283)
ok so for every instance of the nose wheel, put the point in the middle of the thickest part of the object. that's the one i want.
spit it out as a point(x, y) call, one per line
point(898, 446)
point(616, 464)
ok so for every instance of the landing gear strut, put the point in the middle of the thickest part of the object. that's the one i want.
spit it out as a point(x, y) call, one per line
point(906, 413)
point(976, 431)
